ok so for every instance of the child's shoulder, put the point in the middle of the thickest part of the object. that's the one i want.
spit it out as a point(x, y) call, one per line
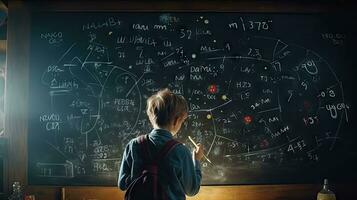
point(135, 141)
point(181, 149)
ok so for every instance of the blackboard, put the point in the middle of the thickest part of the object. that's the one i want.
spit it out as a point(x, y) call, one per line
point(270, 95)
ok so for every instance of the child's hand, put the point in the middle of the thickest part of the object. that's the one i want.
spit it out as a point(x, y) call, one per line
point(198, 152)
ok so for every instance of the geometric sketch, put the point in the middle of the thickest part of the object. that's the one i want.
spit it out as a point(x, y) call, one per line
point(255, 100)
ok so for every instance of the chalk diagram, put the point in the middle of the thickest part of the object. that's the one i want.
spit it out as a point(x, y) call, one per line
point(266, 110)
point(98, 97)
point(260, 103)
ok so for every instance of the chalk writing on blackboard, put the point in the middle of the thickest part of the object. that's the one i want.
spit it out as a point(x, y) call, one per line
point(257, 100)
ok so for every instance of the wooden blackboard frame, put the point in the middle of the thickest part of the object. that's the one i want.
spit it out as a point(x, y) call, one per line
point(17, 76)
point(3, 162)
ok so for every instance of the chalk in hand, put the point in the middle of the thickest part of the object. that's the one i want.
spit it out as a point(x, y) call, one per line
point(194, 143)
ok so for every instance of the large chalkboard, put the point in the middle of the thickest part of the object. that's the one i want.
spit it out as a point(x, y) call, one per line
point(270, 95)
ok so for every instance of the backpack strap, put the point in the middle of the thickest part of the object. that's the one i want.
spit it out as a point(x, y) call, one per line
point(165, 150)
point(144, 143)
point(152, 165)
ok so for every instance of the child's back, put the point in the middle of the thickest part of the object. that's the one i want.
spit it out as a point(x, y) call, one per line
point(179, 172)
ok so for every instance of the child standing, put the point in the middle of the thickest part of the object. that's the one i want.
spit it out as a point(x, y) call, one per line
point(179, 172)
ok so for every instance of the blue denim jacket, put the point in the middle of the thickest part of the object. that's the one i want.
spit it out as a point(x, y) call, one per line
point(179, 173)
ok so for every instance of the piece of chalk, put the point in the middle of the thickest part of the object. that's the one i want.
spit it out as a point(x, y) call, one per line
point(194, 143)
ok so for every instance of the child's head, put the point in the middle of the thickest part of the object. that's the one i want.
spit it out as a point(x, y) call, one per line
point(167, 110)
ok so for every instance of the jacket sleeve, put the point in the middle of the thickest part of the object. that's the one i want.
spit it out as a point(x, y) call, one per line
point(191, 173)
point(125, 168)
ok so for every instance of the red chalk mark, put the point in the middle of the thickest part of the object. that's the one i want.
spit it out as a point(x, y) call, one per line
point(264, 144)
point(247, 119)
point(212, 89)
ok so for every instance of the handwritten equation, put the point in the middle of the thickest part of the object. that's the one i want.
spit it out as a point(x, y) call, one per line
point(255, 99)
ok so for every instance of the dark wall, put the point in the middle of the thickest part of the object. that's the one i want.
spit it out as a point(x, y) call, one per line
point(19, 127)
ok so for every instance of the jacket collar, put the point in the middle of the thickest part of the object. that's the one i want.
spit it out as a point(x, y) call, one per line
point(161, 132)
